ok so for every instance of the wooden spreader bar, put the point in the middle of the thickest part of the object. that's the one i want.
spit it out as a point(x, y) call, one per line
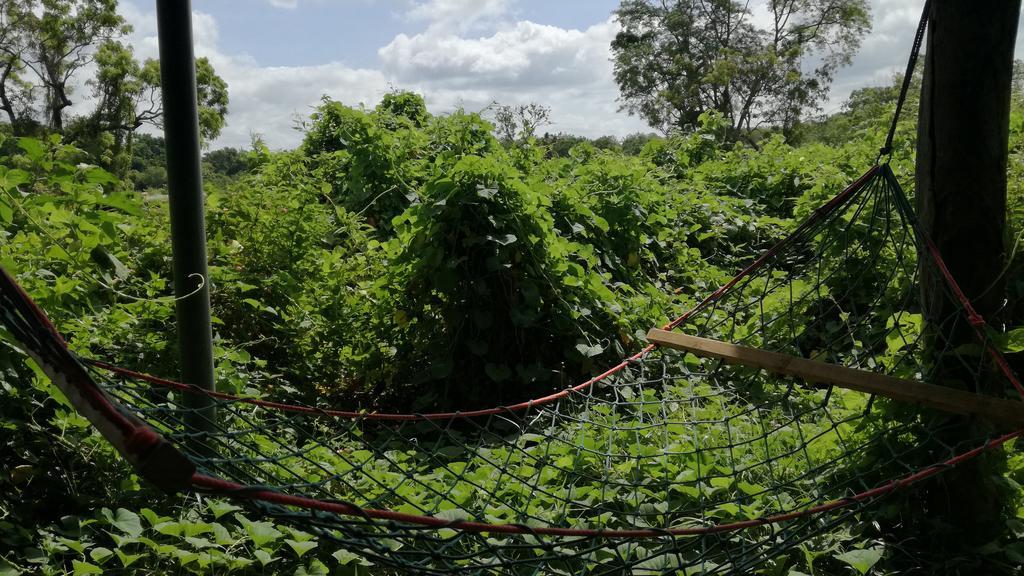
point(913, 391)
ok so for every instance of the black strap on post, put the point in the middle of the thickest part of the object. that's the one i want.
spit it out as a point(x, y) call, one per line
point(185, 190)
point(907, 77)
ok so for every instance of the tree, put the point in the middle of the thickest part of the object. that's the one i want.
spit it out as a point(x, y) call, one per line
point(15, 94)
point(128, 98)
point(676, 59)
point(45, 45)
point(963, 132)
point(129, 93)
point(634, 143)
point(58, 38)
point(225, 161)
point(517, 124)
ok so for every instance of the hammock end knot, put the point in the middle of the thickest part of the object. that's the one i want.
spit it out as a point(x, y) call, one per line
point(884, 152)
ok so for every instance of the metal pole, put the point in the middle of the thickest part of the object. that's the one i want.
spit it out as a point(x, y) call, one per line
point(185, 191)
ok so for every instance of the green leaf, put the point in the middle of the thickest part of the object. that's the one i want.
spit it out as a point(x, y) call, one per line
point(152, 517)
point(220, 507)
point(184, 557)
point(169, 528)
point(100, 554)
point(124, 520)
point(123, 202)
point(6, 212)
point(504, 240)
point(861, 560)
point(13, 178)
point(300, 548)
point(97, 175)
point(344, 557)
point(33, 148)
point(79, 568)
point(1012, 341)
point(453, 515)
point(263, 556)
point(127, 559)
point(74, 545)
point(108, 261)
point(588, 350)
point(315, 568)
point(497, 372)
point(8, 569)
point(262, 532)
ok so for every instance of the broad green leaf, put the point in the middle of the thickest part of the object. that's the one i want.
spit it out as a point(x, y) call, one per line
point(8, 569)
point(221, 507)
point(100, 554)
point(124, 520)
point(589, 350)
point(33, 148)
point(300, 548)
point(344, 557)
point(263, 556)
point(314, 568)
point(1012, 341)
point(262, 533)
point(861, 560)
point(80, 568)
point(127, 559)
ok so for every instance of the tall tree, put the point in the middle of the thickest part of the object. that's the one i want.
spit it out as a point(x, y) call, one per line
point(128, 98)
point(519, 123)
point(963, 131)
point(15, 94)
point(676, 59)
point(61, 39)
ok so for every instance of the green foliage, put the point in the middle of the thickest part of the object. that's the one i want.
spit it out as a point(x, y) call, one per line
point(407, 105)
point(227, 162)
point(399, 259)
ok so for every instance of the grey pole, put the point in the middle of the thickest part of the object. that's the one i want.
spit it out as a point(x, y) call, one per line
point(185, 190)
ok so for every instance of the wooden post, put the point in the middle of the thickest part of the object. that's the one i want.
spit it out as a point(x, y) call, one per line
point(1006, 412)
point(963, 130)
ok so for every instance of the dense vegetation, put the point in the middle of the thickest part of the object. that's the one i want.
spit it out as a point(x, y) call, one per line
point(396, 260)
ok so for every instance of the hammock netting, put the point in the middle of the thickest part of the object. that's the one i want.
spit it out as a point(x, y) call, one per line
point(667, 463)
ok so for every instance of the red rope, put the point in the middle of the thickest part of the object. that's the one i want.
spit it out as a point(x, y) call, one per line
point(976, 320)
point(235, 490)
point(90, 392)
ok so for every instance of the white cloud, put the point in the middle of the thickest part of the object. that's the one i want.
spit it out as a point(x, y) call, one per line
point(471, 53)
point(883, 53)
point(266, 100)
point(461, 15)
point(287, 4)
point(568, 70)
point(519, 62)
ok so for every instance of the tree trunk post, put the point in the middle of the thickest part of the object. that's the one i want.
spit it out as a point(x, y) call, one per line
point(963, 131)
point(185, 191)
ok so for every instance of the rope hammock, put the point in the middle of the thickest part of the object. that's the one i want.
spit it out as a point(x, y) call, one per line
point(804, 390)
point(674, 459)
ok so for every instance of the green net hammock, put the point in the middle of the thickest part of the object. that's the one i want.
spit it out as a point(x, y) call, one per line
point(667, 463)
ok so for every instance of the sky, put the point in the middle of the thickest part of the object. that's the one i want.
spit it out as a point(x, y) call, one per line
point(279, 57)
